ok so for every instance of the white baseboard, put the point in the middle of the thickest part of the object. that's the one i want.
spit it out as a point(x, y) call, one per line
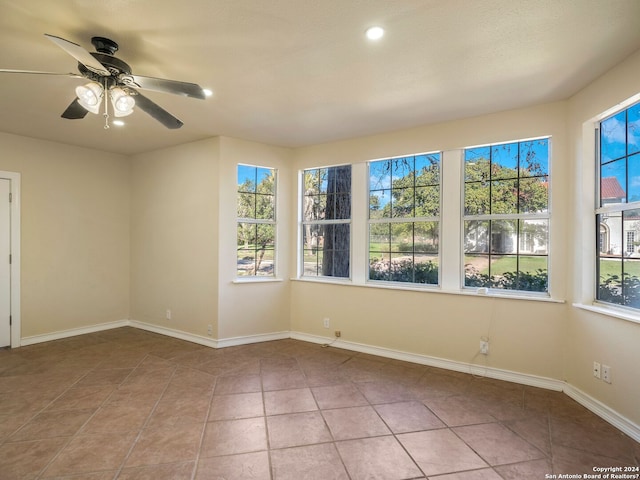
point(491, 372)
point(595, 406)
point(47, 337)
point(263, 337)
point(603, 411)
point(208, 341)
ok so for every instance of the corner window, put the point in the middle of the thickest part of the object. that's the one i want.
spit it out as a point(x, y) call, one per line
point(256, 224)
point(326, 222)
point(404, 219)
point(618, 209)
point(506, 216)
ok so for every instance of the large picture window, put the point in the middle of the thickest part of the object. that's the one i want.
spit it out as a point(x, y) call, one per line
point(326, 222)
point(404, 219)
point(506, 215)
point(618, 209)
point(256, 225)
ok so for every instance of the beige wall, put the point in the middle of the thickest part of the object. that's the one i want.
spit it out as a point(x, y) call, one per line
point(525, 336)
point(74, 236)
point(592, 336)
point(106, 238)
point(252, 308)
point(174, 237)
point(183, 241)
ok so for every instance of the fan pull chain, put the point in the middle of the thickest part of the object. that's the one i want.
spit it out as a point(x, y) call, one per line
point(106, 106)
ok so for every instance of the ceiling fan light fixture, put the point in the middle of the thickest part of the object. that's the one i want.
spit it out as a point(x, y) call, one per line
point(122, 103)
point(90, 96)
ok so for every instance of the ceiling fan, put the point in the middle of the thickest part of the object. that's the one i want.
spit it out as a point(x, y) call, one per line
point(111, 77)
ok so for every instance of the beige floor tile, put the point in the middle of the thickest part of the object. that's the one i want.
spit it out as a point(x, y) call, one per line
point(238, 384)
point(24, 460)
point(175, 471)
point(377, 458)
point(533, 470)
point(238, 405)
point(244, 466)
point(407, 417)
point(354, 422)
point(53, 424)
point(338, 396)
point(289, 401)
point(440, 451)
point(91, 453)
point(178, 443)
point(228, 437)
point(312, 462)
point(135, 404)
point(297, 429)
point(497, 445)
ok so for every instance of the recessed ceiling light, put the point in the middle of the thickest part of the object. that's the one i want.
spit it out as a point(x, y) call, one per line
point(207, 92)
point(375, 33)
point(119, 123)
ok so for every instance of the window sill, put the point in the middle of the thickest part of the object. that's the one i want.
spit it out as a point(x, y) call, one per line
point(610, 312)
point(257, 280)
point(432, 289)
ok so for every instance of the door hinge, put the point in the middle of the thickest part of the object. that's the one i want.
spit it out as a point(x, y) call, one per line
point(9, 259)
point(10, 197)
point(10, 320)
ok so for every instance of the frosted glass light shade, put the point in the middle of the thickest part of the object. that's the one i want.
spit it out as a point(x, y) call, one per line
point(90, 96)
point(122, 103)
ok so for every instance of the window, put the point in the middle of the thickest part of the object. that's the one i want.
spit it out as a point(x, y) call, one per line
point(256, 225)
point(618, 208)
point(506, 215)
point(326, 222)
point(404, 219)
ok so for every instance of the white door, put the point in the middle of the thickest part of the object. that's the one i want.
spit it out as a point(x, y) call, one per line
point(5, 266)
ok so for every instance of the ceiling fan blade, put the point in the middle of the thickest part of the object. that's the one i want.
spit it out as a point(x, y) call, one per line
point(156, 111)
point(161, 85)
point(75, 111)
point(34, 72)
point(80, 54)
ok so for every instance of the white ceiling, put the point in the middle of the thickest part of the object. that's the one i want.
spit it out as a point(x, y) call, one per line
point(301, 72)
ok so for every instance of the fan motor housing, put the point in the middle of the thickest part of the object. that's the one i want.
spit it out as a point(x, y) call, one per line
point(113, 64)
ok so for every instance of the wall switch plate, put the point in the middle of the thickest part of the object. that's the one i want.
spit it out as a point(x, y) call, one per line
point(596, 369)
point(606, 373)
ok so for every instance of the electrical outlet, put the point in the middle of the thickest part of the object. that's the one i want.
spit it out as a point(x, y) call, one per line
point(168, 314)
point(596, 369)
point(325, 322)
point(484, 347)
point(606, 373)
point(338, 333)
point(210, 329)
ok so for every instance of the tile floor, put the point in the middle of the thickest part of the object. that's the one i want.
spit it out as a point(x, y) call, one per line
point(130, 404)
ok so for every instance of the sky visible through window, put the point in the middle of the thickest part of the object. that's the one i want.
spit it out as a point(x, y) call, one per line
point(619, 138)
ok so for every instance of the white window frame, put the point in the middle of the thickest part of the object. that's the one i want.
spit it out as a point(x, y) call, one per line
point(517, 216)
point(587, 198)
point(391, 220)
point(258, 221)
point(302, 223)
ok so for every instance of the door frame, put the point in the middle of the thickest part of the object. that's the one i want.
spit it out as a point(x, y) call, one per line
point(14, 179)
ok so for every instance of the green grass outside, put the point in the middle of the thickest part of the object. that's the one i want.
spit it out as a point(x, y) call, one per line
point(609, 267)
point(500, 265)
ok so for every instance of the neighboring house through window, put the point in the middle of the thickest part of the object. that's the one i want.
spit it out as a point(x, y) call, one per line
point(618, 208)
point(506, 215)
